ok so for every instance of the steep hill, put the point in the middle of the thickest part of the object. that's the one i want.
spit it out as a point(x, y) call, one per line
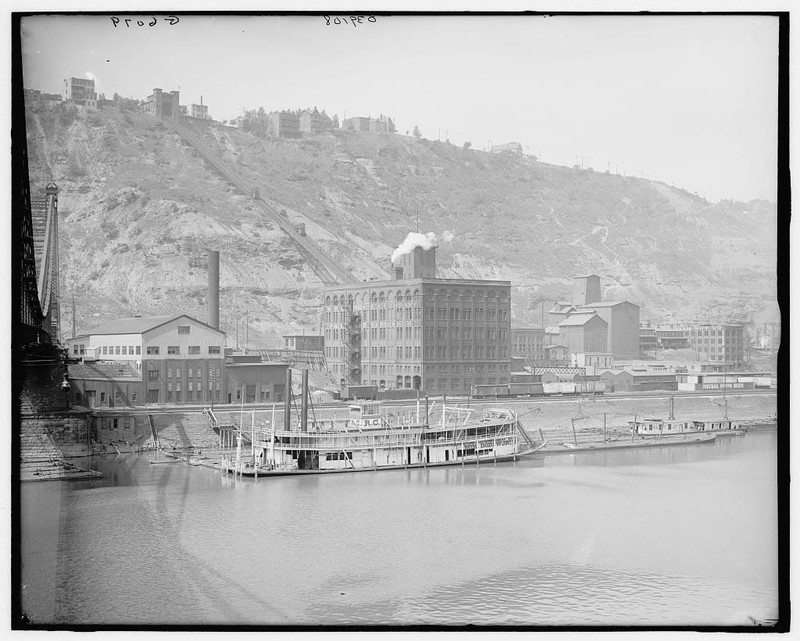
point(139, 207)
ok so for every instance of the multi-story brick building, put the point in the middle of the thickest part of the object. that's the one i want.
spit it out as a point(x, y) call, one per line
point(418, 331)
point(719, 343)
point(80, 91)
point(528, 344)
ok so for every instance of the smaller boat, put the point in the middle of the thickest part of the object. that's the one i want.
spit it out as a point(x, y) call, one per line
point(162, 462)
point(656, 427)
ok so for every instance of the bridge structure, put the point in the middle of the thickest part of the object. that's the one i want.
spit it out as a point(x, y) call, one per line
point(37, 304)
point(328, 271)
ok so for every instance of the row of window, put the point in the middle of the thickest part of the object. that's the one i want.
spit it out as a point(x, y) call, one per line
point(192, 386)
point(390, 297)
point(175, 350)
point(119, 350)
point(213, 372)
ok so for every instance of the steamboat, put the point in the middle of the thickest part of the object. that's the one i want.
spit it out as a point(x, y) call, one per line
point(371, 439)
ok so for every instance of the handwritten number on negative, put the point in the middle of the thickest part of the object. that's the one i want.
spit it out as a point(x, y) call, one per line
point(171, 20)
point(348, 20)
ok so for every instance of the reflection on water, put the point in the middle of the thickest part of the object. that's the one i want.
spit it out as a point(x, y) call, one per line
point(669, 535)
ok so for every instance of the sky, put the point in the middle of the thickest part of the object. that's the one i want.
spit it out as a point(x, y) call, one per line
point(688, 100)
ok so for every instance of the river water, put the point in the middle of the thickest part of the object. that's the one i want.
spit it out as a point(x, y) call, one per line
point(679, 535)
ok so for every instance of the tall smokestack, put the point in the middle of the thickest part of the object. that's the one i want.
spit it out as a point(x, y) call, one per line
point(304, 403)
point(213, 288)
point(287, 401)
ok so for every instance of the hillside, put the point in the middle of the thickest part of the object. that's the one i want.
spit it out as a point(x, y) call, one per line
point(139, 207)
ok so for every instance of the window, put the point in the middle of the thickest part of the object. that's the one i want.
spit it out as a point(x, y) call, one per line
point(152, 350)
point(173, 349)
point(117, 349)
point(189, 373)
point(177, 372)
point(74, 349)
point(183, 329)
point(133, 397)
point(138, 350)
point(105, 349)
point(102, 397)
point(124, 350)
point(194, 349)
point(213, 349)
point(190, 386)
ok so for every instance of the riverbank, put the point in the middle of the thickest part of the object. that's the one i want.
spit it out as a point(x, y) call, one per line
point(55, 470)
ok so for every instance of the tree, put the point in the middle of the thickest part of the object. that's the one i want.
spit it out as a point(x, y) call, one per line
point(417, 132)
point(467, 145)
point(335, 121)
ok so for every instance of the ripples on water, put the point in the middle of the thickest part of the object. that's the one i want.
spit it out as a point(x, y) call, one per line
point(665, 536)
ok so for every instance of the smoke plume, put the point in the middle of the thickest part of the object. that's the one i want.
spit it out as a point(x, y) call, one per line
point(416, 239)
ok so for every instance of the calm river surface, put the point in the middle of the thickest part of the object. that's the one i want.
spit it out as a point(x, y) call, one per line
point(680, 535)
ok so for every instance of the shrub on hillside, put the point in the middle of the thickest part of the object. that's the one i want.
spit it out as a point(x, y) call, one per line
point(109, 229)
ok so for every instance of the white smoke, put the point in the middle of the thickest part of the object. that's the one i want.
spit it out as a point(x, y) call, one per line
point(416, 239)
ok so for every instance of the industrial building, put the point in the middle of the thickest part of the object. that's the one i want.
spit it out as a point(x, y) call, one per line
point(179, 358)
point(419, 331)
point(303, 342)
point(621, 319)
point(251, 380)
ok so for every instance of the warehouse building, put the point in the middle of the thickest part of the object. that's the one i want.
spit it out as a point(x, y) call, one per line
point(418, 331)
point(179, 359)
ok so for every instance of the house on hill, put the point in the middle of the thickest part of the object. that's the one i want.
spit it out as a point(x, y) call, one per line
point(513, 147)
point(283, 124)
point(382, 124)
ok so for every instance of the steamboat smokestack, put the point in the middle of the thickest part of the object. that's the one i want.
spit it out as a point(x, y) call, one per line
point(304, 404)
point(213, 288)
point(287, 401)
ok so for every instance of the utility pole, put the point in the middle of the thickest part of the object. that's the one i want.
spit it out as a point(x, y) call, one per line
point(74, 333)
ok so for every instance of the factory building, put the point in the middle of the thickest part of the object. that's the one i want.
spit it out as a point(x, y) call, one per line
point(621, 319)
point(179, 359)
point(418, 331)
